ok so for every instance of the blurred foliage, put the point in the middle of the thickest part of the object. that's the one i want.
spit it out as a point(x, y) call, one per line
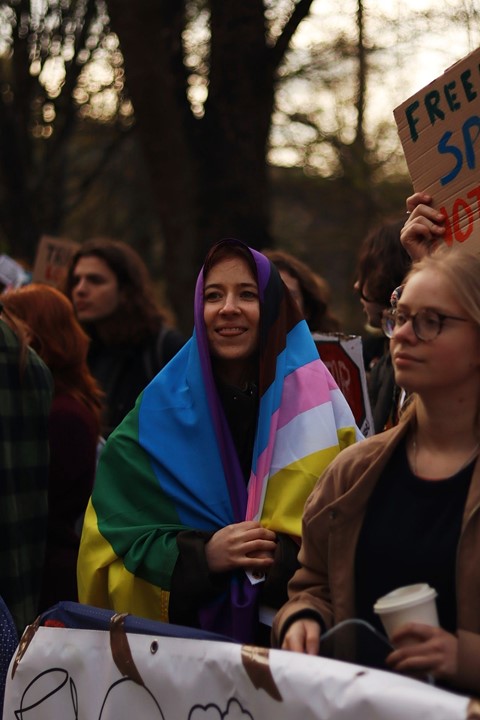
point(60, 69)
point(369, 49)
point(317, 219)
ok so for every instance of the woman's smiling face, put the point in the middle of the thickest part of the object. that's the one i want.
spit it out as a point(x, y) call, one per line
point(232, 316)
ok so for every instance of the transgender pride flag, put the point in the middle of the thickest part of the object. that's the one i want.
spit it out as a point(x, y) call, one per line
point(306, 431)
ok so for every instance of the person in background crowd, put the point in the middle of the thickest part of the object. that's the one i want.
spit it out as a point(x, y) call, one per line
point(403, 507)
point(73, 427)
point(205, 480)
point(310, 291)
point(112, 294)
point(382, 266)
point(25, 392)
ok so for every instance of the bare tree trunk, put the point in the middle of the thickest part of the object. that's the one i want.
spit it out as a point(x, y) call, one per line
point(361, 169)
point(157, 85)
point(209, 175)
point(235, 199)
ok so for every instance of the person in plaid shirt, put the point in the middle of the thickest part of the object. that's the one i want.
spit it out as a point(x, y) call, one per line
point(25, 394)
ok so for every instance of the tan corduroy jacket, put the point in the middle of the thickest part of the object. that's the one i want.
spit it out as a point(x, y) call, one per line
point(332, 522)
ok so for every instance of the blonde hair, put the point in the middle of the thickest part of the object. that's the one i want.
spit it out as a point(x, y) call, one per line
point(461, 270)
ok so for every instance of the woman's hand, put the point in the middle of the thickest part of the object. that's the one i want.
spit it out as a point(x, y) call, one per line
point(303, 636)
point(424, 227)
point(424, 649)
point(245, 545)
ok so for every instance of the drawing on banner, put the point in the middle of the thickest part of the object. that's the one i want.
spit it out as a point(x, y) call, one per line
point(53, 693)
point(49, 690)
point(234, 711)
point(125, 694)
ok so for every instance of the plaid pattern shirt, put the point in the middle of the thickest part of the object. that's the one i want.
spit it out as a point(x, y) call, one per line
point(24, 408)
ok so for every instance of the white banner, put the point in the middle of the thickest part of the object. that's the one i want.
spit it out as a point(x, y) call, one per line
point(70, 674)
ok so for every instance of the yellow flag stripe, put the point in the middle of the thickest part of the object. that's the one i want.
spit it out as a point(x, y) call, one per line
point(103, 580)
point(289, 488)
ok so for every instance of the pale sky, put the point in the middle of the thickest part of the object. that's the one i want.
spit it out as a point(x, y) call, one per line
point(438, 49)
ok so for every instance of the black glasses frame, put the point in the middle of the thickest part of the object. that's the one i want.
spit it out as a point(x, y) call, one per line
point(389, 323)
point(367, 299)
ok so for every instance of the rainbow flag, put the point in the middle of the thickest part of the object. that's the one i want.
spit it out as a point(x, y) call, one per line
point(171, 465)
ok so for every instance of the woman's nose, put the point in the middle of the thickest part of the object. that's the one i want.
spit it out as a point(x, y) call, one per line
point(80, 286)
point(405, 331)
point(230, 305)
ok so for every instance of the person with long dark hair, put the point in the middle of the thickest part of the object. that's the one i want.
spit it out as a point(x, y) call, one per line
point(382, 264)
point(132, 338)
point(195, 514)
point(309, 289)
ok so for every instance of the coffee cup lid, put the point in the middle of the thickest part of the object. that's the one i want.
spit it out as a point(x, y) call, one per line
point(404, 597)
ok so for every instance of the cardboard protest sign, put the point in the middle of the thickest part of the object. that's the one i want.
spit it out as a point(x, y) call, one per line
point(439, 128)
point(53, 259)
point(342, 354)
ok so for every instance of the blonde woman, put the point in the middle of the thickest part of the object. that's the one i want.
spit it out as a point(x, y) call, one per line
point(404, 506)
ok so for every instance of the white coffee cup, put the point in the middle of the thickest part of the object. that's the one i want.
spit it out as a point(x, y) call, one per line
point(412, 603)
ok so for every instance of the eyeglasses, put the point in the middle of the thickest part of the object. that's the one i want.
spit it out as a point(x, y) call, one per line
point(426, 324)
point(396, 295)
point(367, 299)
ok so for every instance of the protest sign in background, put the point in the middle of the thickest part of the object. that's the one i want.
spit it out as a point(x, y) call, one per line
point(12, 274)
point(53, 259)
point(342, 354)
point(439, 128)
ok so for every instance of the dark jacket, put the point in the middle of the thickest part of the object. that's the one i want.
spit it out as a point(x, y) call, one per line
point(123, 371)
point(383, 393)
point(73, 443)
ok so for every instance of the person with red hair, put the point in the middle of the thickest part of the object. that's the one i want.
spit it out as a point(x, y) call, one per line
point(74, 427)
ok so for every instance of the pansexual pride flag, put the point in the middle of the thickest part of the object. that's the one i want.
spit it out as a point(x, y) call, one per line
point(171, 465)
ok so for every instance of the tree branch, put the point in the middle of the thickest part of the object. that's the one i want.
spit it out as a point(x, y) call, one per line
point(301, 11)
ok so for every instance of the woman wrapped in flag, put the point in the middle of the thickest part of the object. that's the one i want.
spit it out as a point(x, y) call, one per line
point(195, 516)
